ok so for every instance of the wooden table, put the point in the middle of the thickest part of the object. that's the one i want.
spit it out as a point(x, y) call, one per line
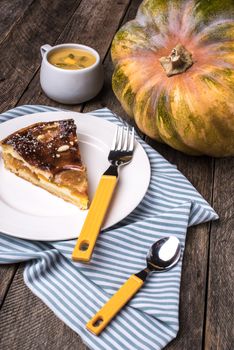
point(206, 310)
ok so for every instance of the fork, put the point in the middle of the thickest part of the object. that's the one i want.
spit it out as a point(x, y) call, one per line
point(121, 153)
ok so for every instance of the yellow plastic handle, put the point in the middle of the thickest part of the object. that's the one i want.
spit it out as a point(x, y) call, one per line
point(93, 222)
point(114, 305)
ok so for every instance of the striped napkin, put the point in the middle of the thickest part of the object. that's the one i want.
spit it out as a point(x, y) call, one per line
point(76, 291)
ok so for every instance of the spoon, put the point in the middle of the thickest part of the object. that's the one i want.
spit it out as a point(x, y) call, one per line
point(162, 256)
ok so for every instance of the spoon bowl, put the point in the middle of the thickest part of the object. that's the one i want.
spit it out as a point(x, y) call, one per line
point(163, 254)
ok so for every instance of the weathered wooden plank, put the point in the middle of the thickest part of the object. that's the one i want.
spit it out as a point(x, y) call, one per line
point(27, 324)
point(11, 14)
point(199, 170)
point(192, 292)
point(93, 24)
point(42, 22)
point(219, 331)
point(6, 276)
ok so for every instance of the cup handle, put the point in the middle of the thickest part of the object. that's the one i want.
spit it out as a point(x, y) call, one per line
point(45, 48)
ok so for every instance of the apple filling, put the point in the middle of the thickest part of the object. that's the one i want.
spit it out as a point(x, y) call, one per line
point(67, 184)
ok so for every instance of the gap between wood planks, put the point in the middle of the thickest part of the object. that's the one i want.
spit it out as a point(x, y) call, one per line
point(12, 273)
point(219, 332)
point(208, 261)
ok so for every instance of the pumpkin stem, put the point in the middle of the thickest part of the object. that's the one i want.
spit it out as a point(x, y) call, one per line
point(178, 62)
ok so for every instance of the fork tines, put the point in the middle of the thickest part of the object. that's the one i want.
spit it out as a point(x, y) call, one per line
point(123, 139)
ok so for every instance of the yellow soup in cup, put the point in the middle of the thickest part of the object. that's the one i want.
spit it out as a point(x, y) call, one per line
point(71, 58)
point(70, 73)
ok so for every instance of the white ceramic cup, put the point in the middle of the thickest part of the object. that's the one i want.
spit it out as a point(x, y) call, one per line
point(70, 86)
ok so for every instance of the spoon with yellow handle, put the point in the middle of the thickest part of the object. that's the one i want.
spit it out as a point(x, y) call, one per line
point(162, 256)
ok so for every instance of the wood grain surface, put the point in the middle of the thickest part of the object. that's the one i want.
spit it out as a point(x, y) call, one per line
point(219, 332)
point(7, 273)
point(206, 300)
point(11, 13)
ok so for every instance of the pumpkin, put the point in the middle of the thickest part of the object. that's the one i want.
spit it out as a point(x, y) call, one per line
point(174, 73)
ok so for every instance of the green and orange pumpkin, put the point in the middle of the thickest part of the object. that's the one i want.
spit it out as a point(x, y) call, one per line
point(174, 73)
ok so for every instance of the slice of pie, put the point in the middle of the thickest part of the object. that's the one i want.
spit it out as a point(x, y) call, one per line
point(47, 154)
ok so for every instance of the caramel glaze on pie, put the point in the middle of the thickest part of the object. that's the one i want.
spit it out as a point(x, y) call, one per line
point(49, 152)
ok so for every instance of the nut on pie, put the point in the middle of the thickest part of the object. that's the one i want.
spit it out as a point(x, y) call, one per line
point(47, 154)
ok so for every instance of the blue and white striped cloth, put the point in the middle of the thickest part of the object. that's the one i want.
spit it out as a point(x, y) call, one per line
point(75, 291)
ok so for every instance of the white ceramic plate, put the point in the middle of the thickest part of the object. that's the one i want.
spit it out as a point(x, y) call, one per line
point(29, 212)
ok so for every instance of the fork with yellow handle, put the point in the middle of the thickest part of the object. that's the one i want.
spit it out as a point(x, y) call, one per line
point(121, 153)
